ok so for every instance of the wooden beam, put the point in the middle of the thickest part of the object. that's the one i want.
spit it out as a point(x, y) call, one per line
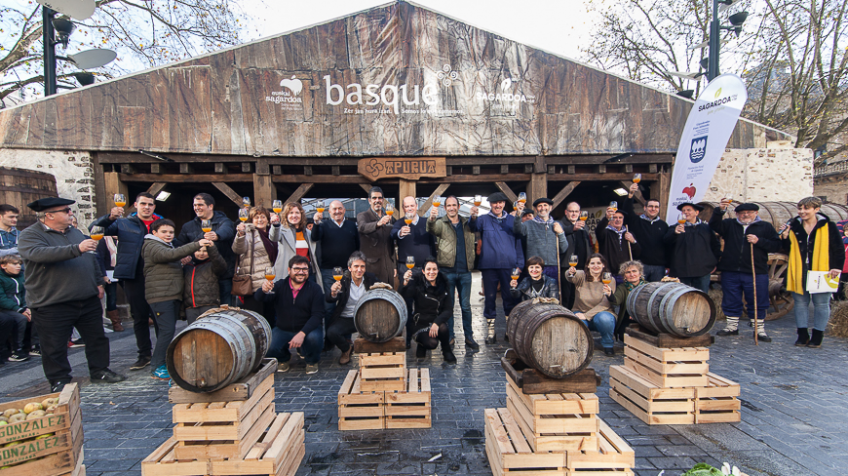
point(229, 192)
point(477, 160)
point(155, 188)
point(661, 190)
point(638, 195)
point(528, 168)
point(539, 165)
point(475, 170)
point(101, 202)
point(186, 169)
point(538, 187)
point(504, 169)
point(348, 179)
point(503, 187)
point(177, 178)
point(263, 167)
point(440, 190)
point(406, 188)
point(336, 170)
point(307, 170)
point(367, 187)
point(299, 193)
point(572, 169)
point(628, 168)
point(220, 168)
point(601, 169)
point(127, 169)
point(592, 177)
point(659, 158)
point(155, 168)
point(652, 168)
point(566, 191)
point(245, 167)
point(264, 191)
point(276, 169)
point(113, 184)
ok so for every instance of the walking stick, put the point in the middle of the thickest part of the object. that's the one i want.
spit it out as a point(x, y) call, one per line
point(629, 250)
point(559, 270)
point(754, 275)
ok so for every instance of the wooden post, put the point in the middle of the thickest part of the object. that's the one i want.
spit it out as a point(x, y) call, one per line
point(264, 190)
point(113, 185)
point(299, 193)
point(660, 189)
point(538, 187)
point(440, 190)
point(406, 188)
point(565, 192)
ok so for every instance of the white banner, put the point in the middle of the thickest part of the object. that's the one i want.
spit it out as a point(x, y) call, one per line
point(708, 128)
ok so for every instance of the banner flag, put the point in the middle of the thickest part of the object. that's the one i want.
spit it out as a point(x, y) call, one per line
point(705, 135)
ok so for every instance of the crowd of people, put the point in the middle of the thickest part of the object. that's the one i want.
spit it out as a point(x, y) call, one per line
point(305, 275)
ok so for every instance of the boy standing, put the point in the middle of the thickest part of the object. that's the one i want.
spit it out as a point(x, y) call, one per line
point(13, 303)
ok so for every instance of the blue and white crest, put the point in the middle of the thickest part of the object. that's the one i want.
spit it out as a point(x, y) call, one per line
point(698, 150)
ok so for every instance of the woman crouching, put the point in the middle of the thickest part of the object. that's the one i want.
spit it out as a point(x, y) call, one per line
point(536, 285)
point(432, 309)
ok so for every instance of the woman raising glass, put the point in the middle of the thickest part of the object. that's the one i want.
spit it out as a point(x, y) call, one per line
point(590, 303)
point(295, 239)
point(536, 285)
point(255, 250)
point(432, 308)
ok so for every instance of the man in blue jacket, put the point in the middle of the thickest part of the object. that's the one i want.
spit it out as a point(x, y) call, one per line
point(129, 266)
point(223, 233)
point(501, 253)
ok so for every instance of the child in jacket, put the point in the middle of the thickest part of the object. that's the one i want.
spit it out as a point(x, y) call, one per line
point(201, 276)
point(13, 304)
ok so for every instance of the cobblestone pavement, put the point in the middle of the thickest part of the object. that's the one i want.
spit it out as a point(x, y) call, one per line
point(793, 415)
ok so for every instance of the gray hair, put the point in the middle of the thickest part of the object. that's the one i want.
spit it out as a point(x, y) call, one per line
point(41, 216)
point(356, 256)
point(631, 264)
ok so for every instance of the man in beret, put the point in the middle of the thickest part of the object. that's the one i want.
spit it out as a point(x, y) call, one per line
point(744, 235)
point(501, 253)
point(545, 237)
point(64, 286)
point(693, 248)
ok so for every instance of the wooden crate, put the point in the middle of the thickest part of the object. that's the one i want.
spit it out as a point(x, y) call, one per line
point(410, 408)
point(223, 429)
point(667, 367)
point(278, 452)
point(654, 405)
point(614, 456)
point(60, 421)
point(358, 409)
point(241, 390)
point(509, 452)
point(54, 455)
point(573, 415)
point(384, 371)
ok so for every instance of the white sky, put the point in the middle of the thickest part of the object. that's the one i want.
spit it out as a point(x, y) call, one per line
point(557, 26)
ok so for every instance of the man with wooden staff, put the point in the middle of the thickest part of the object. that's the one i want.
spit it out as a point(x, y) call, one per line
point(649, 230)
point(616, 243)
point(742, 235)
point(545, 237)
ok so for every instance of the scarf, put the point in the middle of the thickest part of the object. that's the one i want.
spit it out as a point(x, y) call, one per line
point(619, 233)
point(270, 246)
point(544, 222)
point(645, 217)
point(629, 286)
point(821, 259)
point(113, 250)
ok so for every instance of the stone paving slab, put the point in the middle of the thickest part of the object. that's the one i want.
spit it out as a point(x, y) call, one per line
point(794, 422)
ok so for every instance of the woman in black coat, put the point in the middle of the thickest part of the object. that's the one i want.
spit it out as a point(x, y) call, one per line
point(432, 309)
point(536, 284)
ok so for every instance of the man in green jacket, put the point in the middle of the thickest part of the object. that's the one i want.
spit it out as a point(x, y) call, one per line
point(455, 256)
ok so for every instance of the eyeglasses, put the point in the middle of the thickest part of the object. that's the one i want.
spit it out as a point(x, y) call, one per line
point(63, 210)
point(300, 270)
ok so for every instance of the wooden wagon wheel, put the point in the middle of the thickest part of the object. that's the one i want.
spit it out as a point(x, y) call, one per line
point(780, 300)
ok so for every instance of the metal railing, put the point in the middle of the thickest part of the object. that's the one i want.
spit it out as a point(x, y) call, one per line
point(839, 168)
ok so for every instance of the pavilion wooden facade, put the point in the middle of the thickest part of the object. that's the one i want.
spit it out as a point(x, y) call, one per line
point(297, 113)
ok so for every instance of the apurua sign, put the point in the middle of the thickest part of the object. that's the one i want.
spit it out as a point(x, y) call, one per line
point(377, 168)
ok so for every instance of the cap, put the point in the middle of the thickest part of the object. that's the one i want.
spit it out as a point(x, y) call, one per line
point(50, 202)
point(747, 207)
point(543, 200)
point(497, 197)
point(693, 205)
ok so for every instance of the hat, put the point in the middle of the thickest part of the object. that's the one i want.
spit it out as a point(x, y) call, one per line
point(747, 207)
point(497, 197)
point(693, 205)
point(48, 203)
point(543, 200)
point(526, 212)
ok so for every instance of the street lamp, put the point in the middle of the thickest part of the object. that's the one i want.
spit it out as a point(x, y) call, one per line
point(736, 21)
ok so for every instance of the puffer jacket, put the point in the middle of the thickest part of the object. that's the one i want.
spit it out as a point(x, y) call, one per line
point(130, 232)
point(201, 280)
point(163, 273)
point(288, 250)
point(525, 290)
point(12, 292)
point(443, 230)
point(431, 304)
point(259, 258)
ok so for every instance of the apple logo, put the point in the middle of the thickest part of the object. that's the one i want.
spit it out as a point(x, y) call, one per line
point(294, 85)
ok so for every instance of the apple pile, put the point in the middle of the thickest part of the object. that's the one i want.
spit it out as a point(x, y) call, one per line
point(29, 412)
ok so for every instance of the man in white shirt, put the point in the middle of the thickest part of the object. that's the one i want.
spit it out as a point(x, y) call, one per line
point(346, 294)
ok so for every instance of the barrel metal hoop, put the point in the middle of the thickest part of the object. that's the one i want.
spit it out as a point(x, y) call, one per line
point(215, 327)
point(240, 342)
point(676, 293)
point(651, 300)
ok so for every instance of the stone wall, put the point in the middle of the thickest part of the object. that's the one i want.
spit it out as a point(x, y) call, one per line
point(834, 189)
point(763, 175)
point(73, 172)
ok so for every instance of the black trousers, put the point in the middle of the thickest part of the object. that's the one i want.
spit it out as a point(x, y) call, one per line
point(55, 323)
point(339, 330)
point(266, 309)
point(424, 339)
point(140, 312)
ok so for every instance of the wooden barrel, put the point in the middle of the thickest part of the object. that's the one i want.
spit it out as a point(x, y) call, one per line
point(777, 213)
point(19, 187)
point(550, 338)
point(380, 315)
point(219, 348)
point(672, 308)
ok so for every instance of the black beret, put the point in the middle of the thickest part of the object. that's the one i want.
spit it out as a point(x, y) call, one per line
point(48, 203)
point(526, 212)
point(543, 200)
point(497, 197)
point(747, 207)
point(693, 205)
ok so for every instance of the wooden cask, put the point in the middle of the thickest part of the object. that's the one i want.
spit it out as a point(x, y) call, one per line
point(550, 338)
point(672, 308)
point(218, 349)
point(380, 315)
point(19, 187)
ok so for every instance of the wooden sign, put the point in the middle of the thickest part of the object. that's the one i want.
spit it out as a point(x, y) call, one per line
point(378, 168)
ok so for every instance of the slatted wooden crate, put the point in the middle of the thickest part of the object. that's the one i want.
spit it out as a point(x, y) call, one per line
point(382, 372)
point(509, 452)
point(358, 409)
point(555, 422)
point(667, 368)
point(410, 408)
point(614, 456)
point(223, 429)
point(655, 405)
point(278, 452)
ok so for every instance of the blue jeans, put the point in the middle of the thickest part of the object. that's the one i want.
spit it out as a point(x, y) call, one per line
point(226, 287)
point(821, 310)
point(329, 307)
point(700, 282)
point(603, 322)
point(310, 350)
point(653, 273)
point(733, 285)
point(460, 282)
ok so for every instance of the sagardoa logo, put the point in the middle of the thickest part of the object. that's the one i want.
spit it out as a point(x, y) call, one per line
point(718, 93)
point(505, 99)
point(698, 150)
point(374, 95)
point(289, 96)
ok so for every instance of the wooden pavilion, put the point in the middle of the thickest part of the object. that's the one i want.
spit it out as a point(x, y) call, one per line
point(397, 95)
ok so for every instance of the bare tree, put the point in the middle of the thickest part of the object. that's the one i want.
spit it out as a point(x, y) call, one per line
point(145, 33)
point(793, 55)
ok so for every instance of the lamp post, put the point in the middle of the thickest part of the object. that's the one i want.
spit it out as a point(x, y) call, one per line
point(47, 15)
point(736, 21)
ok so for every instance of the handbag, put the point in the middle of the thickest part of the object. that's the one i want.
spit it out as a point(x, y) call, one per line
point(243, 283)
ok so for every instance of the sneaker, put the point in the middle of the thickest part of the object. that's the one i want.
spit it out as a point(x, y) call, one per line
point(107, 376)
point(58, 386)
point(283, 367)
point(311, 369)
point(76, 343)
point(161, 373)
point(19, 356)
point(420, 351)
point(141, 363)
point(36, 351)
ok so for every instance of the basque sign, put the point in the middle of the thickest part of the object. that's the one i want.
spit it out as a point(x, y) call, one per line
point(708, 128)
point(377, 168)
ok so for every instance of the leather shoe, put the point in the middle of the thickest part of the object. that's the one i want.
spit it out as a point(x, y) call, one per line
point(472, 344)
point(107, 376)
point(608, 351)
point(725, 332)
point(58, 386)
point(448, 356)
point(420, 351)
point(345, 358)
point(763, 338)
